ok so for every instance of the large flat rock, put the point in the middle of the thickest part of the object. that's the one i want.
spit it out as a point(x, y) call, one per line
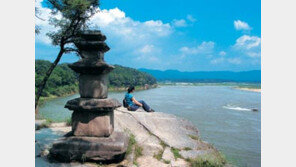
point(155, 133)
point(172, 130)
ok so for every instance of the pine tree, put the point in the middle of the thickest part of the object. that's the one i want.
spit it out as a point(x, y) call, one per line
point(74, 16)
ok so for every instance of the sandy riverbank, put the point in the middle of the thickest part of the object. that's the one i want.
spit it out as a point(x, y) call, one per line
point(250, 89)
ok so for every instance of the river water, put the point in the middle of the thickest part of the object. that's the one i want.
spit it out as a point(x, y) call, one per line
point(222, 114)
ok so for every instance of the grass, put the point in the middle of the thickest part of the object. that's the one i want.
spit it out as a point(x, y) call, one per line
point(193, 137)
point(209, 160)
point(187, 148)
point(176, 153)
point(167, 161)
point(100, 165)
point(131, 143)
point(46, 124)
point(69, 122)
point(138, 151)
point(83, 158)
point(163, 145)
point(158, 156)
point(136, 163)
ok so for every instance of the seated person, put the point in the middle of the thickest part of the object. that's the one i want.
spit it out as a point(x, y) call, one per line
point(133, 104)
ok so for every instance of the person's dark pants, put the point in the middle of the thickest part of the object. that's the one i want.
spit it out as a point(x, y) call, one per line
point(134, 107)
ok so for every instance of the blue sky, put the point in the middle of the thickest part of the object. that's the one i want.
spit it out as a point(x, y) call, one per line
point(188, 35)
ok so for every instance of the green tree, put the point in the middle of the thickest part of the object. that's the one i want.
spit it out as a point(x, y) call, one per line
point(73, 20)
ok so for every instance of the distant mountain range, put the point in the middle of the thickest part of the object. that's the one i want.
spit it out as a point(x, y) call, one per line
point(205, 76)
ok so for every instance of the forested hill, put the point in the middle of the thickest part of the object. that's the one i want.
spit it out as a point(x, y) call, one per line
point(65, 81)
point(205, 76)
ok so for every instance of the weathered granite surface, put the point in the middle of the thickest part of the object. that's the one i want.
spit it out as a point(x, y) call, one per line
point(91, 104)
point(97, 124)
point(90, 148)
point(166, 127)
point(93, 86)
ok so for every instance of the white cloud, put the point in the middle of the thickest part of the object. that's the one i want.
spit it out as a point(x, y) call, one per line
point(147, 49)
point(241, 25)
point(148, 53)
point(249, 45)
point(191, 18)
point(217, 60)
point(179, 23)
point(222, 53)
point(43, 23)
point(114, 23)
point(203, 48)
point(235, 61)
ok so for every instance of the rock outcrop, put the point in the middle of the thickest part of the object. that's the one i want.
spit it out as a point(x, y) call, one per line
point(156, 139)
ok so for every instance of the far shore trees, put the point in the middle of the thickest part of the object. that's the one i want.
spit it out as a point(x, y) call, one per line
point(72, 20)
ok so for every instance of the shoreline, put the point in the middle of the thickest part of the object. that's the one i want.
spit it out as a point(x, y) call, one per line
point(110, 89)
point(250, 89)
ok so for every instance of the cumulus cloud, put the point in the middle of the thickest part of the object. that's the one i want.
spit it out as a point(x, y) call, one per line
point(179, 23)
point(235, 61)
point(112, 22)
point(248, 45)
point(148, 53)
point(43, 23)
point(128, 38)
point(241, 25)
point(146, 49)
point(191, 18)
point(203, 48)
point(217, 60)
point(115, 21)
point(222, 53)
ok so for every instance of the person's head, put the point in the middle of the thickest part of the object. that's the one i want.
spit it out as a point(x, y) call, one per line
point(130, 89)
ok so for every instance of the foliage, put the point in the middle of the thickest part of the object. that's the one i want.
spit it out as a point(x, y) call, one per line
point(125, 76)
point(64, 81)
point(75, 14)
point(61, 82)
point(70, 22)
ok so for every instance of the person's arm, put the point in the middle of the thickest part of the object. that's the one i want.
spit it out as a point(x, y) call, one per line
point(136, 102)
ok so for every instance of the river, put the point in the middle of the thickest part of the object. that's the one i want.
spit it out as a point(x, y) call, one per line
point(222, 114)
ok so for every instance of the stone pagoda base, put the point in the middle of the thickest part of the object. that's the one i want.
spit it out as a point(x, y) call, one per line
point(92, 117)
point(77, 148)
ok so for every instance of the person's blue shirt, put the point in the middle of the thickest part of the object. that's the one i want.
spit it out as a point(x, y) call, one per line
point(128, 98)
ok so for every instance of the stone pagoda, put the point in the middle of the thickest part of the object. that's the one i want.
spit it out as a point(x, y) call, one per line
point(92, 137)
